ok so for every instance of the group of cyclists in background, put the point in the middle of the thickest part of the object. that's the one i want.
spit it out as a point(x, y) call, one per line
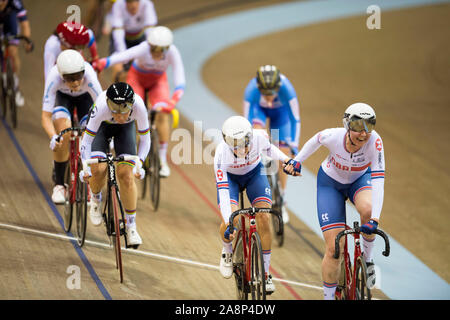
point(140, 52)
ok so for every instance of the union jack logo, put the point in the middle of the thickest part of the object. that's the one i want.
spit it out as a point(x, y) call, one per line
point(378, 144)
point(219, 175)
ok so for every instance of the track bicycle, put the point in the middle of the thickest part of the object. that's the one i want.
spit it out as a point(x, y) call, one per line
point(353, 281)
point(7, 83)
point(113, 212)
point(77, 191)
point(248, 261)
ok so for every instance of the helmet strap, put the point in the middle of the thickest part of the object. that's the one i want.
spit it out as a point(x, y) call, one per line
point(348, 133)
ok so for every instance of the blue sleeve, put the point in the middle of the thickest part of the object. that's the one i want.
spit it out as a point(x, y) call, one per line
point(287, 91)
point(251, 99)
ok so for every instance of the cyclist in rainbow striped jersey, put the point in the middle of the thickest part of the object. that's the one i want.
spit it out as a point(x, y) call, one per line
point(237, 166)
point(354, 170)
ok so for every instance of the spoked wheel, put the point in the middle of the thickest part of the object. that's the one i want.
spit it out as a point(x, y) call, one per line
point(342, 290)
point(257, 277)
point(362, 290)
point(242, 288)
point(11, 93)
point(82, 199)
point(70, 199)
point(155, 166)
point(116, 232)
point(277, 205)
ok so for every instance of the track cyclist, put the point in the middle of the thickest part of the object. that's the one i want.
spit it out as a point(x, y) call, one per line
point(131, 23)
point(68, 35)
point(148, 72)
point(237, 165)
point(71, 83)
point(354, 169)
point(12, 11)
point(114, 115)
point(270, 95)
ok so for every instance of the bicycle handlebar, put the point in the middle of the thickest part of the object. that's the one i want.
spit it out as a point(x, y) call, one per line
point(79, 130)
point(252, 212)
point(379, 232)
point(136, 160)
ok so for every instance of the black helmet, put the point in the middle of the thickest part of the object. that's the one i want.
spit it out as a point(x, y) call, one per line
point(120, 97)
point(268, 79)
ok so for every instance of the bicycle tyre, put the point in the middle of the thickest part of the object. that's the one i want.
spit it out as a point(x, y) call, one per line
point(155, 166)
point(116, 232)
point(11, 93)
point(69, 201)
point(277, 205)
point(258, 275)
point(242, 288)
point(362, 290)
point(82, 196)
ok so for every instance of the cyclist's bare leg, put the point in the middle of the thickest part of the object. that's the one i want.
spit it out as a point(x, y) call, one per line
point(163, 127)
point(283, 177)
point(331, 267)
point(13, 52)
point(363, 204)
point(97, 180)
point(118, 73)
point(62, 154)
point(128, 190)
point(223, 226)
point(263, 225)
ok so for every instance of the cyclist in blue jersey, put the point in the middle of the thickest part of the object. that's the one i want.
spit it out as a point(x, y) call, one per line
point(271, 96)
point(12, 12)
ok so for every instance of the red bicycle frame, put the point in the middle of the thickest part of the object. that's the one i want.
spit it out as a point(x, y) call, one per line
point(350, 278)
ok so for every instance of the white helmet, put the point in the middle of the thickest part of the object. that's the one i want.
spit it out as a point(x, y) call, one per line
point(359, 116)
point(160, 37)
point(69, 62)
point(237, 132)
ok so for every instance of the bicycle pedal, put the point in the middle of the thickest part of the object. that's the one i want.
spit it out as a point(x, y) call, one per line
point(133, 246)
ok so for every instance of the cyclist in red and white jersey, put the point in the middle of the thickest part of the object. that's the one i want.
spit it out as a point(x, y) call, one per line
point(354, 170)
point(68, 35)
point(131, 22)
point(71, 83)
point(148, 72)
point(237, 166)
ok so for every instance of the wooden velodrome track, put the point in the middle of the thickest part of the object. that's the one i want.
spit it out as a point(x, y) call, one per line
point(180, 251)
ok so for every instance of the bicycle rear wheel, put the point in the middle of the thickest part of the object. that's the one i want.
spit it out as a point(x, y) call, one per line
point(116, 232)
point(11, 93)
point(155, 166)
point(242, 288)
point(258, 275)
point(3, 96)
point(82, 196)
point(362, 290)
point(69, 202)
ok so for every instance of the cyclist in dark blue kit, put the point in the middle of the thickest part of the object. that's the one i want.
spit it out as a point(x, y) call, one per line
point(11, 12)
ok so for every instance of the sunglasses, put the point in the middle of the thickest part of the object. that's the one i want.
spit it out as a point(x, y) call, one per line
point(360, 125)
point(121, 108)
point(156, 49)
point(73, 76)
point(241, 143)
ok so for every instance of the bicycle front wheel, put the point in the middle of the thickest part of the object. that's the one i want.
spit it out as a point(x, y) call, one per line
point(155, 166)
point(116, 232)
point(258, 275)
point(70, 199)
point(242, 288)
point(82, 196)
point(362, 290)
point(3, 96)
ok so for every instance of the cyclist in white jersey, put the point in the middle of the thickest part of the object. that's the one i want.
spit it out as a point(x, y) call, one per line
point(114, 114)
point(354, 169)
point(148, 72)
point(71, 83)
point(237, 166)
point(131, 22)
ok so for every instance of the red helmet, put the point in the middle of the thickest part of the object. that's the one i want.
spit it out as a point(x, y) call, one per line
point(72, 35)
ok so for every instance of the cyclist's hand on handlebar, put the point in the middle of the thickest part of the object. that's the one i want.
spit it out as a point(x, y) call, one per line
point(85, 174)
point(54, 144)
point(139, 174)
point(29, 45)
point(228, 234)
point(292, 167)
point(369, 227)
